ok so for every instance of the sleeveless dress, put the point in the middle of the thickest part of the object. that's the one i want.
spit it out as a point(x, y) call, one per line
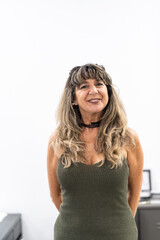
point(94, 203)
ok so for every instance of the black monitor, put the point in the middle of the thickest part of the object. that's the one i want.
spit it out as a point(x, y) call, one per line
point(146, 185)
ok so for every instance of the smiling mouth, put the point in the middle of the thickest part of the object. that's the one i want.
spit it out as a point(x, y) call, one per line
point(95, 100)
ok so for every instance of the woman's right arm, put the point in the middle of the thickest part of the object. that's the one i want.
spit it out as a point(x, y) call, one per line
point(54, 186)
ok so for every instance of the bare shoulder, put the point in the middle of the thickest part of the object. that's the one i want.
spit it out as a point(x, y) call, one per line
point(52, 161)
point(50, 144)
point(135, 153)
point(52, 137)
point(133, 132)
point(136, 139)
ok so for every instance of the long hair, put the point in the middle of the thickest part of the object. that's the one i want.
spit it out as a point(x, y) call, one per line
point(113, 133)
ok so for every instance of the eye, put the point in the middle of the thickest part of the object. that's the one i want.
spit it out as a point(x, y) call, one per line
point(100, 84)
point(83, 86)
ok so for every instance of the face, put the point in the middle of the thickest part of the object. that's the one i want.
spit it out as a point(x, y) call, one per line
point(91, 97)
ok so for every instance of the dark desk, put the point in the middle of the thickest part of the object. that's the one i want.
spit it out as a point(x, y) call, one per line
point(148, 220)
point(11, 227)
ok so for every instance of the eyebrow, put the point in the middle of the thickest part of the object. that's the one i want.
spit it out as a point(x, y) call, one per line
point(85, 81)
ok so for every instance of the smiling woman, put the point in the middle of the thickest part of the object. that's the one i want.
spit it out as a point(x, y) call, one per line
point(95, 161)
point(89, 96)
point(92, 98)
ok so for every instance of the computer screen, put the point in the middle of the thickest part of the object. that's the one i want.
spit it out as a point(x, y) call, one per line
point(146, 184)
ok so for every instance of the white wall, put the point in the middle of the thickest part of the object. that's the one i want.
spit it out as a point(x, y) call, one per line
point(40, 41)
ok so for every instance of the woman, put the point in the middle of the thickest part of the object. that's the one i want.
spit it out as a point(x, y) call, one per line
point(94, 161)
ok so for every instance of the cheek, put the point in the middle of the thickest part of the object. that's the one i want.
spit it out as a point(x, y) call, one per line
point(79, 97)
point(105, 94)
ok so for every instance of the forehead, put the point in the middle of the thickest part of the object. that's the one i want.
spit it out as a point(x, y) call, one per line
point(90, 80)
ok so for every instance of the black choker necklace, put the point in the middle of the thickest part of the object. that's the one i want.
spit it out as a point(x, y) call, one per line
point(92, 125)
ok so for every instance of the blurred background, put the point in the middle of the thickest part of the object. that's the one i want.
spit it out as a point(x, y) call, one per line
point(40, 42)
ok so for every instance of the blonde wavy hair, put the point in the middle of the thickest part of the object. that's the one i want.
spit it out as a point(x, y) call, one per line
point(113, 133)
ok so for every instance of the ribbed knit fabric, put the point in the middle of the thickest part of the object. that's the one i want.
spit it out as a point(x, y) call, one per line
point(94, 203)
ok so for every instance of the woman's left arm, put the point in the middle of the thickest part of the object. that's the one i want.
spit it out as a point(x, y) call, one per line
point(135, 161)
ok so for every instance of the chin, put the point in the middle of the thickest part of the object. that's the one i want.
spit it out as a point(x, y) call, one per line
point(96, 110)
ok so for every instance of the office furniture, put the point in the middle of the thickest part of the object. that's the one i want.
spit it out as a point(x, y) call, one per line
point(11, 227)
point(148, 220)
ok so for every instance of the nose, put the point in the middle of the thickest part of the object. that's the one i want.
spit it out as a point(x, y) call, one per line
point(93, 90)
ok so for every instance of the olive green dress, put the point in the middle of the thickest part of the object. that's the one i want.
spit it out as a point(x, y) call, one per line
point(94, 203)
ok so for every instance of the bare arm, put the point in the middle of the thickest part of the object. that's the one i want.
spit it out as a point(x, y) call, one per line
point(135, 160)
point(54, 186)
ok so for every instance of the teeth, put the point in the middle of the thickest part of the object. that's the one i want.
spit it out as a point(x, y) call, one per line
point(94, 100)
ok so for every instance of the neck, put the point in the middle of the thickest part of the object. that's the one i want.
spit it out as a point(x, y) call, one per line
point(92, 124)
point(90, 119)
